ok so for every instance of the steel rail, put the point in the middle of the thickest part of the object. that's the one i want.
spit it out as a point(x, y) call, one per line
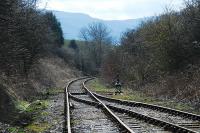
point(98, 103)
point(165, 125)
point(169, 126)
point(67, 123)
point(151, 106)
point(123, 126)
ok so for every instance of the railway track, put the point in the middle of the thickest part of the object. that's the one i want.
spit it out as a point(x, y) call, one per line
point(134, 120)
point(90, 116)
point(133, 123)
point(176, 117)
point(186, 121)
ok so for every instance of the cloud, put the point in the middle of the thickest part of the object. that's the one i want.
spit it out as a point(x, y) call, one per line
point(113, 9)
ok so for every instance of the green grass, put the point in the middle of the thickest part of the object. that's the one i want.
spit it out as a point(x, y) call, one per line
point(36, 109)
point(30, 112)
point(134, 96)
point(37, 105)
point(128, 94)
point(16, 130)
point(55, 91)
point(38, 128)
point(22, 105)
point(97, 86)
point(12, 129)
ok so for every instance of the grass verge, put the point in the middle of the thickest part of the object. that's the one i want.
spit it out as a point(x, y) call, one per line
point(128, 94)
point(28, 113)
point(97, 86)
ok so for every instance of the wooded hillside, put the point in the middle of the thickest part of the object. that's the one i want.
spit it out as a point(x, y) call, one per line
point(161, 57)
point(26, 35)
point(29, 64)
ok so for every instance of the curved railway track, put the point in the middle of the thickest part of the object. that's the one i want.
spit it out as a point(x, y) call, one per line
point(91, 116)
point(127, 115)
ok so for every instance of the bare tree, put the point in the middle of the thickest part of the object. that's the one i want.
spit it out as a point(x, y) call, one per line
point(97, 36)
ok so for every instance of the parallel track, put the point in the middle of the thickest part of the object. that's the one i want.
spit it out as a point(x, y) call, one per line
point(134, 124)
point(189, 121)
point(151, 106)
point(127, 119)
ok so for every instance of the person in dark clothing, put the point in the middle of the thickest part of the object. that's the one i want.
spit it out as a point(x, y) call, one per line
point(118, 85)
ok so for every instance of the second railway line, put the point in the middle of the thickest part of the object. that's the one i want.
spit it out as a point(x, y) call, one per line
point(137, 119)
point(159, 114)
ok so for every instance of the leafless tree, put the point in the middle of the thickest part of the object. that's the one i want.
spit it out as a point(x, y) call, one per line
point(97, 36)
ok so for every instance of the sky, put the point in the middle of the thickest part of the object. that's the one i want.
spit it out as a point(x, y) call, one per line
point(113, 9)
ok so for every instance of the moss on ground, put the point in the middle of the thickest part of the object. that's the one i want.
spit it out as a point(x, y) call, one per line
point(38, 127)
point(31, 128)
point(22, 105)
point(128, 94)
point(16, 130)
point(12, 129)
point(55, 91)
point(37, 106)
point(31, 112)
point(37, 110)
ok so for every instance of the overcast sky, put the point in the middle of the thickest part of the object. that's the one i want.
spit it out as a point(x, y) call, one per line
point(113, 9)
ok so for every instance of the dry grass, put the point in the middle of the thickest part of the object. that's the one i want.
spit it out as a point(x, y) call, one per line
point(181, 87)
point(50, 72)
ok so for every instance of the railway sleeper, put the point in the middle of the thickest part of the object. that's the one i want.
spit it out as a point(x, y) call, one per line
point(154, 107)
point(99, 105)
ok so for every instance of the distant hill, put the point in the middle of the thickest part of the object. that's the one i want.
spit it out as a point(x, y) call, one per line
point(73, 22)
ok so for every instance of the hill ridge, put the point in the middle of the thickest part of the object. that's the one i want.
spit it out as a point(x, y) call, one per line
point(73, 22)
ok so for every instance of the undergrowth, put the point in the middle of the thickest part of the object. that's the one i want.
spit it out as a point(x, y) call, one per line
point(28, 112)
